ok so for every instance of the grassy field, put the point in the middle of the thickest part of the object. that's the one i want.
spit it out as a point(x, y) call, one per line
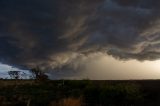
point(79, 93)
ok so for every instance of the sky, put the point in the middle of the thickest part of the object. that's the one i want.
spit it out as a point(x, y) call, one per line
point(77, 39)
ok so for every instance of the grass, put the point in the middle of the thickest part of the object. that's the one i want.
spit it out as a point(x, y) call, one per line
point(67, 102)
point(78, 93)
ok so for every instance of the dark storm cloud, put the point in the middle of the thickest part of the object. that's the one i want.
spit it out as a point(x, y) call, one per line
point(56, 33)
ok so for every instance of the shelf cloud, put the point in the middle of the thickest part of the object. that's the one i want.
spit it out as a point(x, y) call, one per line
point(68, 33)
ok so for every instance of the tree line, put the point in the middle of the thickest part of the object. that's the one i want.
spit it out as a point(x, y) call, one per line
point(36, 73)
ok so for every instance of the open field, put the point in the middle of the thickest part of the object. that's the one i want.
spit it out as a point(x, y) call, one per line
point(79, 93)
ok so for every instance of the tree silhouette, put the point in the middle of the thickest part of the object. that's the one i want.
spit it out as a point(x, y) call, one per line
point(38, 74)
point(14, 74)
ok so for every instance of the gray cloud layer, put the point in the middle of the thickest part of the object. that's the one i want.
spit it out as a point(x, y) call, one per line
point(58, 33)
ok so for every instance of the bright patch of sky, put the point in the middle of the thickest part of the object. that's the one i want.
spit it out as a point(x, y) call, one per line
point(24, 74)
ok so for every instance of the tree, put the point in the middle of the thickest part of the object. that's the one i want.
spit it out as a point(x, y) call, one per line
point(38, 74)
point(23, 75)
point(14, 74)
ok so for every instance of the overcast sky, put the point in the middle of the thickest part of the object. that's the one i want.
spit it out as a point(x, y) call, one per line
point(96, 39)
